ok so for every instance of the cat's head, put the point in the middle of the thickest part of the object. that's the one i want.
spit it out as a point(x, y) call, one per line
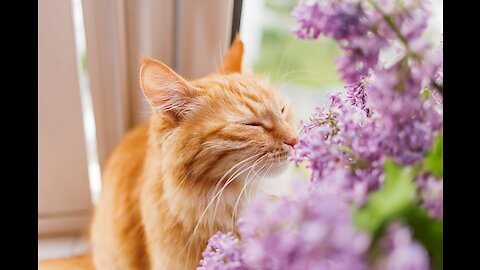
point(222, 124)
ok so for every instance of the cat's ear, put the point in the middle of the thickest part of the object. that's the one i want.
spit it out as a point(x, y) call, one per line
point(232, 61)
point(166, 91)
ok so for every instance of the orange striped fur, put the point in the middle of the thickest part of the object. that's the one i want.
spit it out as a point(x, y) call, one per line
point(163, 176)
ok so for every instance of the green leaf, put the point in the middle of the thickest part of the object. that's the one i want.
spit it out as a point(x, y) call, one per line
point(396, 201)
point(390, 201)
point(427, 231)
point(434, 160)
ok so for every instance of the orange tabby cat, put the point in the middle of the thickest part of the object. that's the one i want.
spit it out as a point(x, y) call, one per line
point(176, 180)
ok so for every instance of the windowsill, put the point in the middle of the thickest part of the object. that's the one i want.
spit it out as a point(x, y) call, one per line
point(55, 247)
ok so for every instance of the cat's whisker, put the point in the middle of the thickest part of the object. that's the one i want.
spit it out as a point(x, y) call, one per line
point(208, 206)
point(233, 167)
point(227, 182)
point(263, 177)
point(251, 187)
point(301, 71)
point(225, 175)
point(218, 46)
point(233, 178)
point(181, 182)
point(189, 242)
point(215, 196)
point(300, 78)
point(283, 56)
point(234, 213)
point(239, 170)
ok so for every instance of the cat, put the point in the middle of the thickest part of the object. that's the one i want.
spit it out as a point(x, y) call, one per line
point(181, 177)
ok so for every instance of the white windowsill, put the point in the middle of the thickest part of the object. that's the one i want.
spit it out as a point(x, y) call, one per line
point(65, 246)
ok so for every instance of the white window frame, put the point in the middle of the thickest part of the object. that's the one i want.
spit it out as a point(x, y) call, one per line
point(190, 36)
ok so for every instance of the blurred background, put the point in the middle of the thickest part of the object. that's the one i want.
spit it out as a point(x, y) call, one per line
point(89, 94)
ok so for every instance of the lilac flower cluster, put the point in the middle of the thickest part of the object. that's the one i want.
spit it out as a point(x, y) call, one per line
point(362, 28)
point(338, 19)
point(222, 253)
point(398, 251)
point(409, 122)
point(431, 194)
point(345, 21)
point(388, 111)
point(439, 74)
point(357, 96)
point(345, 146)
point(315, 231)
point(342, 146)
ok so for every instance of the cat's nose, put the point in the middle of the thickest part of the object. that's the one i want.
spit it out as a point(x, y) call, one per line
point(292, 141)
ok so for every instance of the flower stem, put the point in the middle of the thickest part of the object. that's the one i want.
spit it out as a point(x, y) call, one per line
point(395, 29)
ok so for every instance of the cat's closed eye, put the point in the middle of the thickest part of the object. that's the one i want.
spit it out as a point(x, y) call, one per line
point(254, 124)
point(266, 125)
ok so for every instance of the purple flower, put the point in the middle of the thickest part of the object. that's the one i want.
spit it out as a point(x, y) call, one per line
point(342, 146)
point(222, 253)
point(431, 194)
point(409, 17)
point(361, 55)
point(363, 30)
point(357, 96)
point(401, 252)
point(337, 19)
point(392, 110)
point(345, 21)
point(308, 17)
point(409, 122)
point(439, 75)
point(313, 231)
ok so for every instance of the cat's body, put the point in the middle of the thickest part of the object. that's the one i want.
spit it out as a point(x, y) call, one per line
point(205, 140)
